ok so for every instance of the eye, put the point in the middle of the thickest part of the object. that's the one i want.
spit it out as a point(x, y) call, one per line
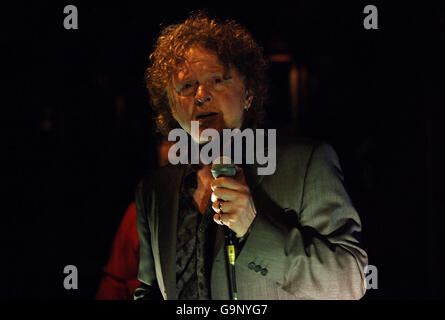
point(187, 88)
point(218, 80)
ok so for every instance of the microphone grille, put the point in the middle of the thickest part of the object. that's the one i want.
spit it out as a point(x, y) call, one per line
point(223, 166)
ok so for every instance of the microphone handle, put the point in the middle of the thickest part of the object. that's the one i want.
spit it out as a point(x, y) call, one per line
point(229, 235)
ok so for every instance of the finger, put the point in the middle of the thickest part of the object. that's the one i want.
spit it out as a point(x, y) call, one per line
point(225, 194)
point(240, 175)
point(223, 219)
point(222, 206)
point(215, 206)
point(218, 218)
point(228, 183)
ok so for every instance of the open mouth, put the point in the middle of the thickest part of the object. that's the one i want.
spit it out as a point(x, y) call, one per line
point(205, 115)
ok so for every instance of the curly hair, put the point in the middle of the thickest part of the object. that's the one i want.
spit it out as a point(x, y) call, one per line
point(233, 45)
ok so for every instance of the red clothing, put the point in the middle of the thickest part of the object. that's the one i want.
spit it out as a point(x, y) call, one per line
point(120, 279)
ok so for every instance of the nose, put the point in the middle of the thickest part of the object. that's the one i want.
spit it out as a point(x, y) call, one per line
point(201, 96)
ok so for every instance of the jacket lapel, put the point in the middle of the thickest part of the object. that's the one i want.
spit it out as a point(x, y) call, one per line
point(168, 186)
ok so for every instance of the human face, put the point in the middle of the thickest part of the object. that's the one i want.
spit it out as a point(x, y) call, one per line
point(202, 90)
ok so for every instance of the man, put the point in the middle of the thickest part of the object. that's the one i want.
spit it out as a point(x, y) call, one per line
point(295, 229)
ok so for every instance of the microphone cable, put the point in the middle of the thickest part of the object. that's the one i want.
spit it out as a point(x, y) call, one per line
point(228, 170)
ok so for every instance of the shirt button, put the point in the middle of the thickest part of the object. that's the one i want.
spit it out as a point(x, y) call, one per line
point(251, 265)
point(264, 271)
point(257, 268)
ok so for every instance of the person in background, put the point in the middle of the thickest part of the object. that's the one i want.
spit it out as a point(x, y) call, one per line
point(120, 274)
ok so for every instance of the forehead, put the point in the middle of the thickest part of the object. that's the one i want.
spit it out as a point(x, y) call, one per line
point(198, 59)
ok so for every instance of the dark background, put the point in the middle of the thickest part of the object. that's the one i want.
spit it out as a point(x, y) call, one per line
point(79, 130)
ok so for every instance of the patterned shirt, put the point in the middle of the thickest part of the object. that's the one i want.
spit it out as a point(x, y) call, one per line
point(194, 249)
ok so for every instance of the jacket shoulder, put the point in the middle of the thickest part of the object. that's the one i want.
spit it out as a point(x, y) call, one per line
point(296, 155)
point(296, 149)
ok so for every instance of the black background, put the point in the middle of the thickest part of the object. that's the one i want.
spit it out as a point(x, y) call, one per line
point(76, 156)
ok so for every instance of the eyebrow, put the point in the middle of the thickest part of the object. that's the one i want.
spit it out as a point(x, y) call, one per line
point(210, 73)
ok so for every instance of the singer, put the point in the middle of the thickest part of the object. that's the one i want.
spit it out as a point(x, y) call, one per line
point(296, 229)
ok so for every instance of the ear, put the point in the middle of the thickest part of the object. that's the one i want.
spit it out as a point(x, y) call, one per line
point(248, 101)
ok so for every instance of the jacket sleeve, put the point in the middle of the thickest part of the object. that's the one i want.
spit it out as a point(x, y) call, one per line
point(314, 252)
point(149, 289)
point(328, 260)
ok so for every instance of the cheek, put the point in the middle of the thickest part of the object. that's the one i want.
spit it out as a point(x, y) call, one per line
point(182, 110)
point(233, 110)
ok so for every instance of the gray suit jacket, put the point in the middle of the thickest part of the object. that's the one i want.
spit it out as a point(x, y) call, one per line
point(304, 233)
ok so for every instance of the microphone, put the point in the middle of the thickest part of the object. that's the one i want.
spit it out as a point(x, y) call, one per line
point(224, 167)
point(221, 169)
point(227, 169)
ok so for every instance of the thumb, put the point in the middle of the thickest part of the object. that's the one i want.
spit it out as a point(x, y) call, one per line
point(240, 174)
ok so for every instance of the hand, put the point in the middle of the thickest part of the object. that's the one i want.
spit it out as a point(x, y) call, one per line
point(237, 208)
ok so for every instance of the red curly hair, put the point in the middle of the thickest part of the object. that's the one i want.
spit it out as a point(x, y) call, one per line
point(233, 45)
